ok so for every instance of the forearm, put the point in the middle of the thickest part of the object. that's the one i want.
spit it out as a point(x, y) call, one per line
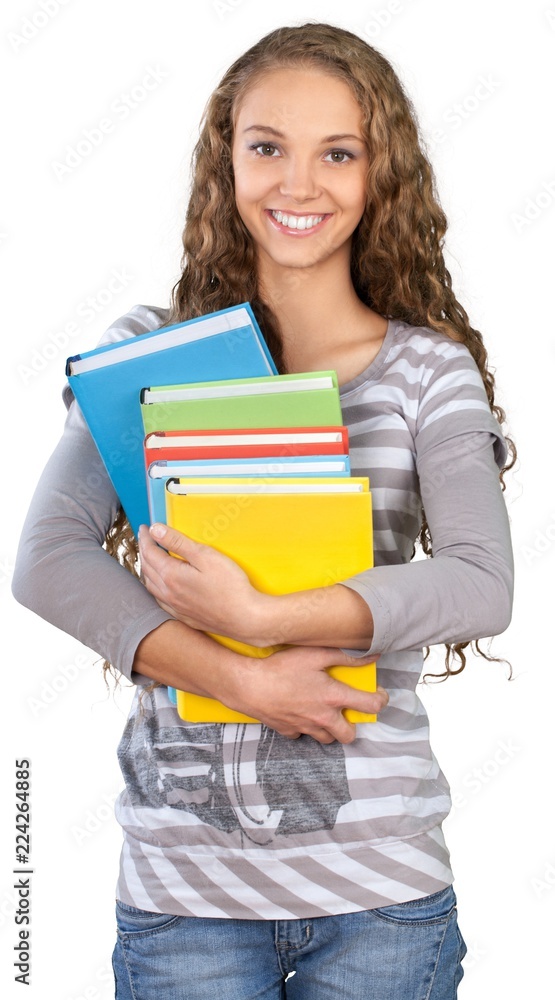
point(188, 660)
point(290, 691)
point(433, 601)
point(91, 597)
point(464, 592)
point(326, 616)
point(429, 601)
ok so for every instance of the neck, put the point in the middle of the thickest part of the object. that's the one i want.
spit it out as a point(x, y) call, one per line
point(305, 303)
point(319, 313)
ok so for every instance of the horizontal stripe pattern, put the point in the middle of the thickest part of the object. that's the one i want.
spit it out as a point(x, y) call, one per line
point(236, 821)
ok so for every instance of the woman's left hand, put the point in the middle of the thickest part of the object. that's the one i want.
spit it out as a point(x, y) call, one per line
point(208, 591)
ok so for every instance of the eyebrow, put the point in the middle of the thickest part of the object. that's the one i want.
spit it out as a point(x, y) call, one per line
point(268, 130)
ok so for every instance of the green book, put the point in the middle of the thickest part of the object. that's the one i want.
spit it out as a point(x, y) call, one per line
point(309, 399)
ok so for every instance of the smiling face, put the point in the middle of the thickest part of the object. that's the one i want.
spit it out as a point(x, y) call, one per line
point(300, 164)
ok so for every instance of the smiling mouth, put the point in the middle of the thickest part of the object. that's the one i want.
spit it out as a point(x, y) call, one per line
point(301, 223)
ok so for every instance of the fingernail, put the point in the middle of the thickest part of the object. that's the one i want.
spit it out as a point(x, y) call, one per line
point(158, 530)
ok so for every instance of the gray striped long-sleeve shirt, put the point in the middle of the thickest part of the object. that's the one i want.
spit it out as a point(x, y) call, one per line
point(236, 821)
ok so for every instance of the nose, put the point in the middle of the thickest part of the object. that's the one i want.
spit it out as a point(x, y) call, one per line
point(298, 181)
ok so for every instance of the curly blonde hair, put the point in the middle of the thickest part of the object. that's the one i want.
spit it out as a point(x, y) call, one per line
point(397, 263)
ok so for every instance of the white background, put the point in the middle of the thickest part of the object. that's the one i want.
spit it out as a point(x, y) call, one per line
point(120, 209)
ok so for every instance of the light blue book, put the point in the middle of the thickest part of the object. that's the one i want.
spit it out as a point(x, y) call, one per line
point(295, 465)
point(107, 383)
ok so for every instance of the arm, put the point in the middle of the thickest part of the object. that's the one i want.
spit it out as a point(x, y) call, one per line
point(289, 691)
point(208, 590)
point(464, 592)
point(63, 574)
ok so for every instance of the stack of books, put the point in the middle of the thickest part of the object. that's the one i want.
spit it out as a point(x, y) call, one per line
point(254, 463)
point(276, 425)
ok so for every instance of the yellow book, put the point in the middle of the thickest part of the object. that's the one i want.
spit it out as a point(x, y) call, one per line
point(288, 535)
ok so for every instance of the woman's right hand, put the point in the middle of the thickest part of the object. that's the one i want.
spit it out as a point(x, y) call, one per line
point(292, 692)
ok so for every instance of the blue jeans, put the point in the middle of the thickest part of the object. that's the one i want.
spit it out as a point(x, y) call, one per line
point(410, 951)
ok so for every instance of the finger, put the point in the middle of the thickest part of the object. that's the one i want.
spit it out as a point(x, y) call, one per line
point(342, 731)
point(317, 733)
point(152, 556)
point(158, 567)
point(334, 727)
point(369, 702)
point(176, 542)
point(153, 560)
point(324, 736)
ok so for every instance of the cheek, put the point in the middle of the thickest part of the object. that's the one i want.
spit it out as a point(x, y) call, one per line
point(243, 204)
point(247, 183)
point(359, 191)
point(358, 201)
point(254, 181)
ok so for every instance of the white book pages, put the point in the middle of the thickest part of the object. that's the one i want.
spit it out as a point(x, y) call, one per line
point(263, 487)
point(246, 389)
point(223, 440)
point(276, 468)
point(138, 347)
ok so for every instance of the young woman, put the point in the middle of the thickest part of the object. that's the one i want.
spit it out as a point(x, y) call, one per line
point(302, 845)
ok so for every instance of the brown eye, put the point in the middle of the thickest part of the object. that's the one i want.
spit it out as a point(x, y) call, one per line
point(339, 156)
point(266, 149)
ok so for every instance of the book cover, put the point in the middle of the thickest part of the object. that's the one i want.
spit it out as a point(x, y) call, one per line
point(301, 399)
point(267, 467)
point(107, 382)
point(185, 445)
point(288, 536)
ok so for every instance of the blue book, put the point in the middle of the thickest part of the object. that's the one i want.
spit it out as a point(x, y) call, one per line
point(107, 383)
point(306, 465)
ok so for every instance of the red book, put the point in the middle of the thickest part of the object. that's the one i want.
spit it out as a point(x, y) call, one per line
point(181, 446)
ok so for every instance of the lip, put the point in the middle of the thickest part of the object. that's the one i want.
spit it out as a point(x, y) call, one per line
point(298, 233)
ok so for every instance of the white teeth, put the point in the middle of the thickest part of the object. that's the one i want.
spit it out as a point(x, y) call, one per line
point(297, 221)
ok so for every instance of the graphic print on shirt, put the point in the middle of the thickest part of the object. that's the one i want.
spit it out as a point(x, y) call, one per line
point(264, 785)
